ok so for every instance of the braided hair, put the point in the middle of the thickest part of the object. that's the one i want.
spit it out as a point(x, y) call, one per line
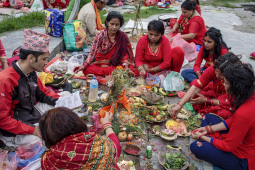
point(216, 36)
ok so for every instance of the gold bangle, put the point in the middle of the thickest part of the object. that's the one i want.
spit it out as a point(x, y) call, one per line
point(3, 57)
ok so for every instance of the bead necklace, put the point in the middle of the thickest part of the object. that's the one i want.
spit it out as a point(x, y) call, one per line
point(182, 26)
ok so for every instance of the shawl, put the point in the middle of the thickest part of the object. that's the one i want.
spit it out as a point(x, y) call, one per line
point(98, 18)
point(85, 150)
point(121, 44)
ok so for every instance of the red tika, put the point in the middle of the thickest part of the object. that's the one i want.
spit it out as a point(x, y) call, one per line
point(214, 90)
point(240, 139)
point(209, 60)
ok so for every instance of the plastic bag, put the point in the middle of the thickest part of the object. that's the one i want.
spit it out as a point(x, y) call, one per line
point(8, 162)
point(28, 151)
point(60, 67)
point(74, 36)
point(36, 164)
point(190, 49)
point(75, 61)
point(37, 6)
point(33, 153)
point(174, 82)
point(152, 80)
point(54, 20)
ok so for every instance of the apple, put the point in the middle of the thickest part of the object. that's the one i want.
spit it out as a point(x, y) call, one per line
point(129, 137)
point(122, 136)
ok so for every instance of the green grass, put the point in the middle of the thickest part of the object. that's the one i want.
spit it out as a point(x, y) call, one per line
point(144, 14)
point(34, 19)
point(10, 23)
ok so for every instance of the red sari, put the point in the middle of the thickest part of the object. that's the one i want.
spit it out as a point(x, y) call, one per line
point(109, 55)
point(195, 25)
point(198, 9)
point(209, 60)
point(214, 90)
point(165, 58)
point(49, 4)
point(240, 139)
point(83, 151)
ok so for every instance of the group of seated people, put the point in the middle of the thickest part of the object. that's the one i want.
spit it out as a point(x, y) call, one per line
point(222, 92)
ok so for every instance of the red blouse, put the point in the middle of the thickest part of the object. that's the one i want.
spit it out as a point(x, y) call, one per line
point(241, 139)
point(208, 76)
point(2, 50)
point(209, 61)
point(198, 9)
point(161, 58)
point(195, 25)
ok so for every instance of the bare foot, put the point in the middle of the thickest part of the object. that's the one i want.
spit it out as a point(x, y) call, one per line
point(193, 157)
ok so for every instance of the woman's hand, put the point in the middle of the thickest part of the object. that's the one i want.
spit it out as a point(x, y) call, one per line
point(142, 73)
point(37, 132)
point(171, 40)
point(79, 68)
point(201, 130)
point(146, 67)
point(172, 30)
point(174, 111)
point(198, 73)
point(107, 119)
point(201, 99)
point(196, 135)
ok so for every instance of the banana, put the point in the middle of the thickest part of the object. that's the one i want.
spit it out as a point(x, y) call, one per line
point(163, 113)
point(160, 107)
point(162, 92)
point(155, 89)
point(168, 146)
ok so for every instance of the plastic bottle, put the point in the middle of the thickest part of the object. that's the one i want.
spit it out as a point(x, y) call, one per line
point(149, 152)
point(93, 90)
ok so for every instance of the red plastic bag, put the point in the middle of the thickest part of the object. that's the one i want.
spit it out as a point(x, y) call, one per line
point(190, 49)
point(9, 162)
point(28, 151)
point(181, 94)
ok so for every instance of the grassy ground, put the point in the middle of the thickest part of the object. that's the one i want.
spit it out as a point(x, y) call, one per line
point(144, 14)
point(224, 3)
point(10, 23)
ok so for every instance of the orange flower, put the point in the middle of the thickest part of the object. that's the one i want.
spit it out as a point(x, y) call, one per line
point(119, 67)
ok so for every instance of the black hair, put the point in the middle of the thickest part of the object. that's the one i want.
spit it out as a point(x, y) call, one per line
point(241, 79)
point(216, 36)
point(25, 53)
point(112, 15)
point(189, 5)
point(98, 1)
point(157, 26)
point(226, 60)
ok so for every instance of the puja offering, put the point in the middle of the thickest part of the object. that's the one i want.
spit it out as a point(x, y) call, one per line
point(178, 126)
point(132, 149)
point(134, 92)
point(152, 98)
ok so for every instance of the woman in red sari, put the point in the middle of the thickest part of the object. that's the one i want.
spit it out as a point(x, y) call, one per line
point(209, 91)
point(3, 57)
point(230, 144)
point(50, 4)
point(111, 48)
point(154, 53)
point(190, 24)
point(71, 146)
point(213, 48)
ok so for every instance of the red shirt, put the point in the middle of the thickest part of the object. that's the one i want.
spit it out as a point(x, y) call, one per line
point(161, 58)
point(2, 50)
point(198, 9)
point(208, 76)
point(241, 137)
point(195, 25)
point(209, 61)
